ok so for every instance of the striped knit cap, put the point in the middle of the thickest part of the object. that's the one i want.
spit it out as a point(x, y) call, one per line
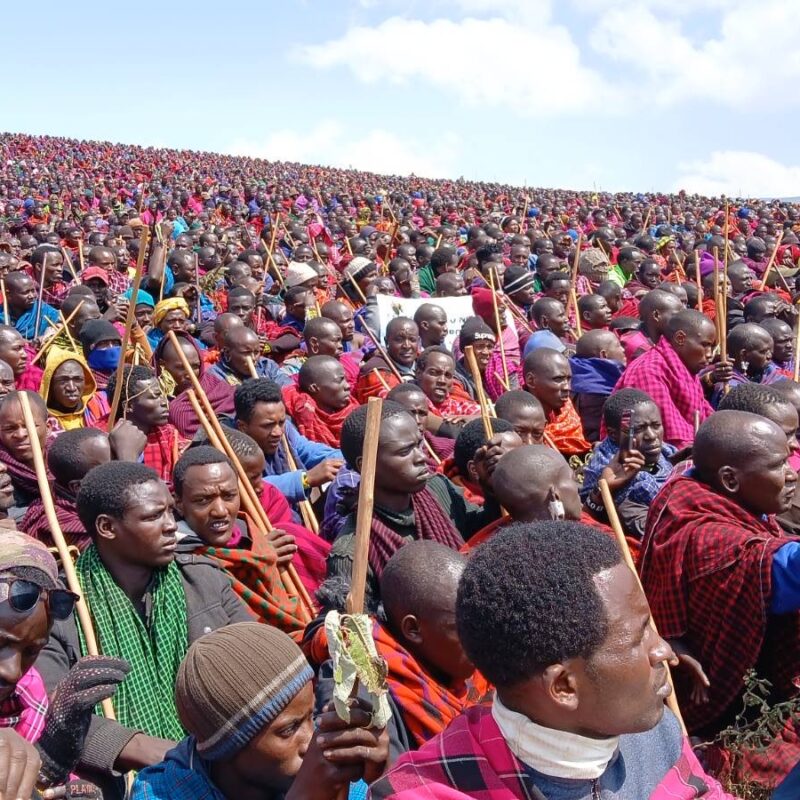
point(234, 682)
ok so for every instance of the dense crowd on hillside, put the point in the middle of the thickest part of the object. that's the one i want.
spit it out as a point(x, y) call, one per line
point(570, 383)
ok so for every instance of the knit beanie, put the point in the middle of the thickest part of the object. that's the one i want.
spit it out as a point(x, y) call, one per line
point(234, 682)
point(95, 331)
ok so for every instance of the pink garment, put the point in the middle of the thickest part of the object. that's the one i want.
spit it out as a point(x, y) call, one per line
point(494, 369)
point(678, 394)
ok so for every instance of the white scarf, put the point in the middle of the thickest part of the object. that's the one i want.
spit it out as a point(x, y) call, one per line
point(558, 754)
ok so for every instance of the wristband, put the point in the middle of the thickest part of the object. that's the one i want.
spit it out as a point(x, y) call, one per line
point(304, 479)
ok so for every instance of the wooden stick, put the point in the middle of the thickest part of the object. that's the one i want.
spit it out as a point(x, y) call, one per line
point(40, 299)
point(80, 254)
point(613, 518)
point(84, 617)
point(475, 371)
point(357, 288)
point(126, 336)
point(249, 500)
point(197, 289)
point(309, 518)
point(6, 317)
point(499, 327)
point(384, 355)
point(796, 374)
point(366, 498)
point(698, 280)
point(61, 327)
point(70, 265)
point(771, 261)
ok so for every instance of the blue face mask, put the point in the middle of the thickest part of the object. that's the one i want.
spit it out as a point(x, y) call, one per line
point(105, 360)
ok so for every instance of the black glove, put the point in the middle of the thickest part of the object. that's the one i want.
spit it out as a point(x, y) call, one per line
point(74, 790)
point(92, 679)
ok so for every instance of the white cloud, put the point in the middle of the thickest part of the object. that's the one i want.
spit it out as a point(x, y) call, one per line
point(528, 64)
point(751, 57)
point(738, 173)
point(375, 150)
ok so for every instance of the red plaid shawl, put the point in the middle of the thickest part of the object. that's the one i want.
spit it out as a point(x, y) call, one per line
point(430, 522)
point(35, 523)
point(472, 759)
point(312, 421)
point(661, 373)
point(706, 568)
point(255, 579)
point(164, 447)
point(427, 707)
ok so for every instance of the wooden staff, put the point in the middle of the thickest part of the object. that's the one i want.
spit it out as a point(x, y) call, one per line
point(61, 327)
point(84, 617)
point(129, 320)
point(499, 327)
point(163, 275)
point(80, 254)
point(250, 502)
point(646, 220)
point(613, 518)
point(384, 355)
point(797, 352)
point(357, 288)
point(6, 317)
point(366, 498)
point(696, 421)
point(425, 442)
point(197, 289)
point(306, 511)
point(40, 299)
point(698, 280)
point(68, 261)
point(717, 314)
point(771, 261)
point(573, 296)
point(475, 371)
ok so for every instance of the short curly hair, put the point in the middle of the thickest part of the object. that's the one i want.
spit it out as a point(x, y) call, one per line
point(354, 429)
point(252, 392)
point(752, 397)
point(198, 456)
point(621, 401)
point(527, 600)
point(472, 437)
point(110, 489)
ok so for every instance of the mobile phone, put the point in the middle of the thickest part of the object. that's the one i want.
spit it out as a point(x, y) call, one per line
point(627, 441)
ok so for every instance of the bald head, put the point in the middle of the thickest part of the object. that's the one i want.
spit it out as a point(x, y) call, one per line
point(527, 478)
point(239, 336)
point(597, 344)
point(743, 456)
point(418, 577)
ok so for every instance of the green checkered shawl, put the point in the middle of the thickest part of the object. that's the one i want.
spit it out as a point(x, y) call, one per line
point(145, 699)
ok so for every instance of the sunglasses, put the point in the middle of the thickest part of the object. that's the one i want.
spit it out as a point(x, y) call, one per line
point(23, 595)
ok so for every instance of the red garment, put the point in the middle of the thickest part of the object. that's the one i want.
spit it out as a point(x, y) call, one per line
point(430, 522)
point(35, 522)
point(678, 394)
point(163, 449)
point(426, 706)
point(566, 431)
point(312, 551)
point(311, 420)
point(220, 395)
point(457, 404)
point(706, 568)
point(484, 534)
point(472, 491)
point(370, 385)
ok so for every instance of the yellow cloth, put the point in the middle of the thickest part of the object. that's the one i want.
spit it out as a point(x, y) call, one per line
point(56, 356)
point(170, 304)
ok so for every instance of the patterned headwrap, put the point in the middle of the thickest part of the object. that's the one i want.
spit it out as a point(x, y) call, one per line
point(663, 241)
point(171, 304)
point(23, 556)
point(594, 263)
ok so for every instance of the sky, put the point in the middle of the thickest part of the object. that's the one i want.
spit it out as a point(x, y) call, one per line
point(614, 95)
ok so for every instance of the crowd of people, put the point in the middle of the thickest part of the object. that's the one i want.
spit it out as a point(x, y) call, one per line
point(192, 341)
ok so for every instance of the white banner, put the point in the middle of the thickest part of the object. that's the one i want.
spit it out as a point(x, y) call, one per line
point(458, 310)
